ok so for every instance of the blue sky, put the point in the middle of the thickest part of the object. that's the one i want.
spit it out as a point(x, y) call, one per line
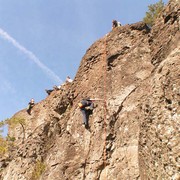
point(43, 41)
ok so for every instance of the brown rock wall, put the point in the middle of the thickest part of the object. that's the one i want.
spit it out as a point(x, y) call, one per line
point(133, 134)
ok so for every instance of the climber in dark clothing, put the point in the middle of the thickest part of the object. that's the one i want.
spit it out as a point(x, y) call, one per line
point(86, 107)
point(30, 106)
point(114, 24)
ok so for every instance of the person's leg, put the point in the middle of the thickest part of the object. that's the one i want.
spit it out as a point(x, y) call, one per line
point(88, 112)
point(29, 110)
point(84, 117)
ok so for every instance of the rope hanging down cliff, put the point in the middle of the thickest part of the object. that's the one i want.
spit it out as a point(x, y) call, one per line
point(105, 60)
point(105, 100)
point(105, 107)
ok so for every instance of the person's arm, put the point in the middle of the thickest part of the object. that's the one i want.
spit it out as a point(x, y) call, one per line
point(91, 105)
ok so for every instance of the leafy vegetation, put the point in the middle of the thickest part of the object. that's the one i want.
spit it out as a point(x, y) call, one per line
point(3, 146)
point(6, 143)
point(3, 141)
point(13, 122)
point(38, 170)
point(153, 11)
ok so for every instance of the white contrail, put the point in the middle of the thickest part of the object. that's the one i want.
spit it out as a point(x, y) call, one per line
point(31, 56)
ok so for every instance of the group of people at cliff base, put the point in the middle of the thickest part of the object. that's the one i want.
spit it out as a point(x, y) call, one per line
point(86, 105)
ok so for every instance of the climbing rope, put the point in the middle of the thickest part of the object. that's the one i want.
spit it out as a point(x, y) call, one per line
point(105, 108)
point(105, 105)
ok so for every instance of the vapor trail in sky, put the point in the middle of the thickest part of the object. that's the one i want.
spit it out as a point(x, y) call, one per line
point(30, 55)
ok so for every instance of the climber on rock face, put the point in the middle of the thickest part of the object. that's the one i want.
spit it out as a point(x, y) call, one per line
point(30, 106)
point(86, 107)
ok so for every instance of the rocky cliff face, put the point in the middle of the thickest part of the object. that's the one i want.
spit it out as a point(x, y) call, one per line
point(134, 75)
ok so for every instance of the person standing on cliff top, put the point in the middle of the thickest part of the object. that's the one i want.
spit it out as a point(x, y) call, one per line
point(30, 106)
point(68, 79)
point(115, 24)
point(86, 107)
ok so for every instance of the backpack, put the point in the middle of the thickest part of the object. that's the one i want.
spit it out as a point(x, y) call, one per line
point(83, 104)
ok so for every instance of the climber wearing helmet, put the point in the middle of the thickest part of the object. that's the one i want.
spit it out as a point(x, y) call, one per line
point(86, 107)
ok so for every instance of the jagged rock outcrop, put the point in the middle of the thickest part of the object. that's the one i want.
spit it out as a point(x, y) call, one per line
point(159, 141)
point(134, 130)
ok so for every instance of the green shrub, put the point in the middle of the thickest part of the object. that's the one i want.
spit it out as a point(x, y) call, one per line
point(13, 122)
point(38, 170)
point(153, 12)
point(3, 146)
